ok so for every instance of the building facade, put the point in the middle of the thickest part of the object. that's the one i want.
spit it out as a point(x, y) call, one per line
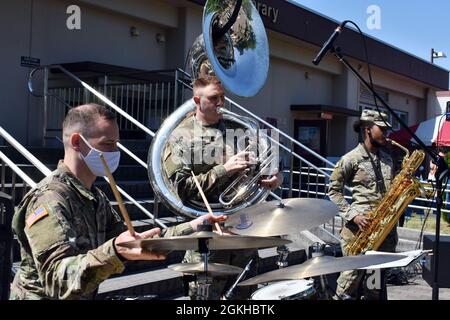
point(315, 104)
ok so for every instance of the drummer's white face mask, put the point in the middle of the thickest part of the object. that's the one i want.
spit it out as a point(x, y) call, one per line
point(94, 163)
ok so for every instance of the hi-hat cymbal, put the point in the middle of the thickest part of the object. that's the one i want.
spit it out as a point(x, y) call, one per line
point(214, 242)
point(214, 269)
point(320, 266)
point(269, 219)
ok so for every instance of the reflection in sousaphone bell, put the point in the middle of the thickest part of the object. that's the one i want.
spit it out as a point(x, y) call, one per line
point(232, 57)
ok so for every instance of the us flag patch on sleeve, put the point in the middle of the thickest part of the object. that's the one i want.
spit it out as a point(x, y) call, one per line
point(37, 215)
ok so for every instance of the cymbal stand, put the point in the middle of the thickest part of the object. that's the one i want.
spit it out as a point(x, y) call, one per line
point(283, 252)
point(203, 282)
point(319, 251)
point(229, 294)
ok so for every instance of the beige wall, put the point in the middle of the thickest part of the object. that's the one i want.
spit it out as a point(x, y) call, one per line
point(442, 101)
point(104, 37)
point(287, 85)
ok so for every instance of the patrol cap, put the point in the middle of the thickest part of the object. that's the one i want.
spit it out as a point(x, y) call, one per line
point(375, 117)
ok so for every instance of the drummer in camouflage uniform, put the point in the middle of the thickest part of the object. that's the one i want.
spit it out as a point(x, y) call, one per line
point(68, 232)
point(369, 172)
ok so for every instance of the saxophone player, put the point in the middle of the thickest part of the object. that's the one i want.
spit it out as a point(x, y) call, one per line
point(369, 172)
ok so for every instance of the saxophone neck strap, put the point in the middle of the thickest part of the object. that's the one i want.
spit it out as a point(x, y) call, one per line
point(381, 188)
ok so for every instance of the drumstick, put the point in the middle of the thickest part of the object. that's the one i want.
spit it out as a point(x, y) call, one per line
point(119, 200)
point(205, 201)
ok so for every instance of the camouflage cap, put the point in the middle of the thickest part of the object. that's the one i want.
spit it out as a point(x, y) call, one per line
point(375, 117)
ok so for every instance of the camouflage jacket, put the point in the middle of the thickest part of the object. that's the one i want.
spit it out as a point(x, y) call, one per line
point(66, 234)
point(356, 171)
point(203, 150)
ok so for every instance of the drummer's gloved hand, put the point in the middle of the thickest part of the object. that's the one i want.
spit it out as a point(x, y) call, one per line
point(212, 219)
point(137, 253)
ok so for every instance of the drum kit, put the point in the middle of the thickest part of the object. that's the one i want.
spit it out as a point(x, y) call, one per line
point(290, 282)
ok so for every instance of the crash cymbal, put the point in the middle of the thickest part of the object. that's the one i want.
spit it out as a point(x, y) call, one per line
point(214, 241)
point(320, 266)
point(214, 269)
point(269, 219)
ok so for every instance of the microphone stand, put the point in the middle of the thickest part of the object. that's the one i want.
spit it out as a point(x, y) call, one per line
point(441, 172)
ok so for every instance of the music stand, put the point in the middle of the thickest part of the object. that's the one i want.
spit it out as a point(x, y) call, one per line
point(411, 257)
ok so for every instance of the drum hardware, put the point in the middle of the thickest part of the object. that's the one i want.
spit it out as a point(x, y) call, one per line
point(318, 250)
point(203, 281)
point(203, 241)
point(283, 252)
point(229, 294)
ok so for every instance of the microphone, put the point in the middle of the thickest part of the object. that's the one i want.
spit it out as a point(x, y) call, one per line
point(328, 45)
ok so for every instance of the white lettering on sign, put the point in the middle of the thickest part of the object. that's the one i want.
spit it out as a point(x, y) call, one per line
point(267, 11)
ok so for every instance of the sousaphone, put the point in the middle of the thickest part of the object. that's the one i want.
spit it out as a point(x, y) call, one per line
point(234, 47)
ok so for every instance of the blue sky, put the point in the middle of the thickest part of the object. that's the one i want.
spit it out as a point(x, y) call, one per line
point(415, 26)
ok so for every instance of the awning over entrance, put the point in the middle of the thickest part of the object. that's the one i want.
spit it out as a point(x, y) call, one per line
point(334, 110)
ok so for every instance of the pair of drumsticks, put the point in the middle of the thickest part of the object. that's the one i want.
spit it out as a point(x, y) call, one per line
point(124, 211)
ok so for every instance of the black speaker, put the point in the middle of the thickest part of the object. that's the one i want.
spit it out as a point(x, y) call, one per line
point(444, 261)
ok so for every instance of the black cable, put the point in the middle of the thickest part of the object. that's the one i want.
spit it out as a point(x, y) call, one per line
point(426, 215)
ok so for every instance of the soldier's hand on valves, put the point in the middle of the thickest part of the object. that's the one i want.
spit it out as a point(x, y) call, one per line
point(239, 162)
point(273, 182)
point(138, 253)
point(361, 221)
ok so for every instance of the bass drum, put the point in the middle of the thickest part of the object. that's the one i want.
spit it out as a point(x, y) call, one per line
point(287, 290)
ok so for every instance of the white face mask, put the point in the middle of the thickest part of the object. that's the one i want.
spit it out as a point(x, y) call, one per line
point(94, 163)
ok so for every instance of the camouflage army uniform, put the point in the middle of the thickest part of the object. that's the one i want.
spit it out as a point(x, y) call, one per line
point(356, 171)
point(213, 179)
point(66, 233)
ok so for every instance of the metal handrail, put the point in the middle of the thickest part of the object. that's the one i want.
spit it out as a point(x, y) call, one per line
point(27, 154)
point(93, 91)
point(17, 170)
point(137, 204)
point(132, 155)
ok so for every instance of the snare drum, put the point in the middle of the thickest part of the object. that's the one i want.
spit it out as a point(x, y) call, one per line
point(287, 290)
